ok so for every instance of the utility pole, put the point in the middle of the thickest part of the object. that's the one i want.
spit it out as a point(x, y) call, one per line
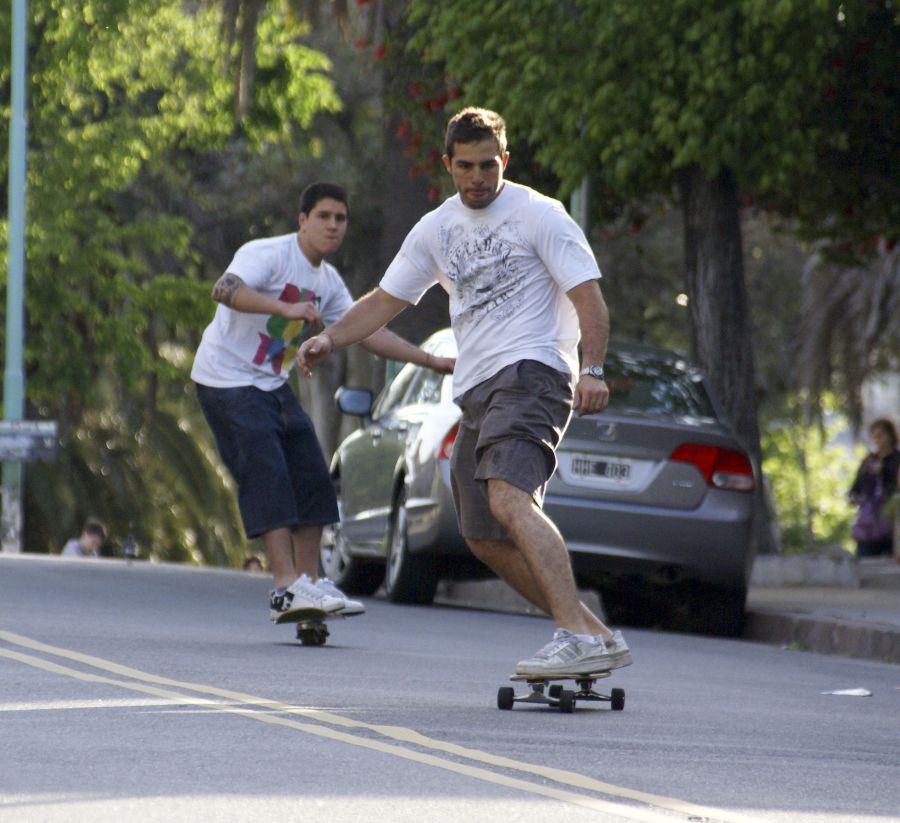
point(579, 203)
point(14, 373)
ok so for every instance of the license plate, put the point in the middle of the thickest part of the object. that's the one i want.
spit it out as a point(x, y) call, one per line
point(601, 469)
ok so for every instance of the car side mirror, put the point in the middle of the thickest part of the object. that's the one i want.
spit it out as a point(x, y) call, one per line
point(357, 402)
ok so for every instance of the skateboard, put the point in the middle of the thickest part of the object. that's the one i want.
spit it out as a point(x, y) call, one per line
point(543, 693)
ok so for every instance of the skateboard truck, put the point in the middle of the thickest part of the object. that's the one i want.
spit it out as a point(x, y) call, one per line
point(312, 632)
point(543, 693)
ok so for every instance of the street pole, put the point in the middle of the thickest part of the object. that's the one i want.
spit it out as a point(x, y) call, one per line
point(14, 373)
point(578, 205)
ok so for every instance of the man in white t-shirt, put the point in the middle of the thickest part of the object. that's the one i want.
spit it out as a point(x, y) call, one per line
point(274, 291)
point(523, 289)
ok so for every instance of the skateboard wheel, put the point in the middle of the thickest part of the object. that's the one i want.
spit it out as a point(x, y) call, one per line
point(554, 691)
point(505, 698)
point(566, 701)
point(617, 699)
point(312, 635)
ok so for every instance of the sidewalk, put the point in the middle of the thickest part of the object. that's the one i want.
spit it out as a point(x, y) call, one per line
point(861, 620)
point(812, 604)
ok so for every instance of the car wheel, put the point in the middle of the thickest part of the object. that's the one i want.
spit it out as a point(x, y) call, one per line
point(336, 562)
point(409, 577)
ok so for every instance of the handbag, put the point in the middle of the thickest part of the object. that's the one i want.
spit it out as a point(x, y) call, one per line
point(868, 526)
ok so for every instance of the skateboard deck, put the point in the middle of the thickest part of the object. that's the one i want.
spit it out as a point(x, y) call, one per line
point(556, 696)
point(300, 615)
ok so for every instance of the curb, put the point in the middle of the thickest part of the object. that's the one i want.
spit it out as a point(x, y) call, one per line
point(805, 570)
point(825, 635)
point(496, 596)
point(849, 638)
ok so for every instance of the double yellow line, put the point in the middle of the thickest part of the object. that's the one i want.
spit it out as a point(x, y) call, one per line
point(580, 790)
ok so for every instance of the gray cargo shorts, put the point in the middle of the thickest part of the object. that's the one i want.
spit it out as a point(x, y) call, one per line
point(510, 428)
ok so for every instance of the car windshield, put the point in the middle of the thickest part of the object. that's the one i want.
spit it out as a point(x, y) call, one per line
point(656, 386)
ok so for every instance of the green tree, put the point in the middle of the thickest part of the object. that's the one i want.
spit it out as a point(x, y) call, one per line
point(848, 202)
point(810, 472)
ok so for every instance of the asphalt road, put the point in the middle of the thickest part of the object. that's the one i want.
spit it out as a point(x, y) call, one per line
point(162, 693)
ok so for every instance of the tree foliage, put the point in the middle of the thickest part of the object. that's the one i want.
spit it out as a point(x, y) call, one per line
point(810, 472)
point(638, 91)
point(849, 202)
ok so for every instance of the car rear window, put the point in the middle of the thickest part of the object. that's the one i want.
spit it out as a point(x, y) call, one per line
point(656, 386)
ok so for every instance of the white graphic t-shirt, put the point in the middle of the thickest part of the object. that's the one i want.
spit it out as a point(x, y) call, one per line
point(507, 269)
point(243, 349)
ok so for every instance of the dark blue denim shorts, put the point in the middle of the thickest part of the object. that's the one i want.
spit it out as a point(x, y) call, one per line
point(270, 447)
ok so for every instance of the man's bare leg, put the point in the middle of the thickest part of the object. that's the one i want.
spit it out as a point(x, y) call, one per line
point(307, 542)
point(543, 570)
point(279, 548)
point(293, 552)
point(508, 563)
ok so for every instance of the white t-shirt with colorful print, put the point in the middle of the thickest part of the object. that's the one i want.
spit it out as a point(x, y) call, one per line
point(244, 349)
point(506, 268)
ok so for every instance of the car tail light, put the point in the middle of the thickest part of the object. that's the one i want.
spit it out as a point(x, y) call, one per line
point(445, 450)
point(722, 468)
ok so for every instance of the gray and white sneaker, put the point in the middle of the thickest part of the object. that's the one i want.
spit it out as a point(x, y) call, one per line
point(351, 608)
point(302, 601)
point(619, 653)
point(569, 654)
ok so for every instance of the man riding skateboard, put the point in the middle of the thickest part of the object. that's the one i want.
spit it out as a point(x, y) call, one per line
point(273, 293)
point(523, 288)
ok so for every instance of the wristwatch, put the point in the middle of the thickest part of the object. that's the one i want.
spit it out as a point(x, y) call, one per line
point(593, 371)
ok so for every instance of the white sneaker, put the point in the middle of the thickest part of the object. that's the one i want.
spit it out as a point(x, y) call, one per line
point(302, 601)
point(619, 653)
point(352, 607)
point(569, 654)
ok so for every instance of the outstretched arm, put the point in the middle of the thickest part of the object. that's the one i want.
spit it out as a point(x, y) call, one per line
point(363, 322)
point(392, 347)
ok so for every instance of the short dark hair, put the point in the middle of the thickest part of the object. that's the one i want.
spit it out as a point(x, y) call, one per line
point(472, 125)
point(887, 426)
point(315, 192)
point(93, 526)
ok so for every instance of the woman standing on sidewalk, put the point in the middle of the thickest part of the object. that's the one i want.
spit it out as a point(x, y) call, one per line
point(876, 481)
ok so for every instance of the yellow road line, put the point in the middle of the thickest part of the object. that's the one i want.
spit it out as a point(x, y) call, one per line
point(237, 700)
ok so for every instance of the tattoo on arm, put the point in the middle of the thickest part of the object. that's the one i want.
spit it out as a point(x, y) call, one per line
point(225, 288)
